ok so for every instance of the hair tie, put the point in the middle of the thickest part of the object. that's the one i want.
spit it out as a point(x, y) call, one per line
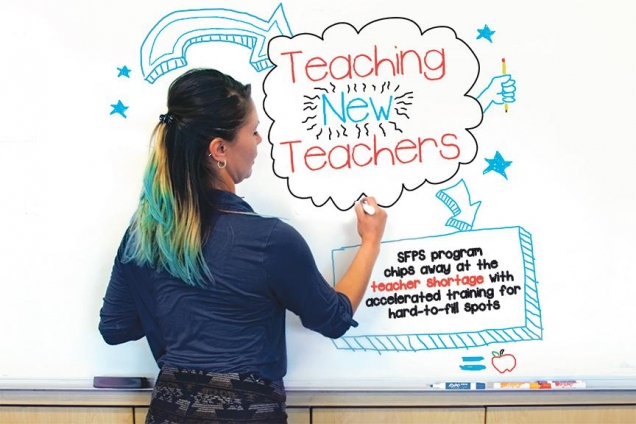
point(166, 118)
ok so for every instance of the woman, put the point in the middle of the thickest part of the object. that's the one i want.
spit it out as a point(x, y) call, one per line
point(206, 279)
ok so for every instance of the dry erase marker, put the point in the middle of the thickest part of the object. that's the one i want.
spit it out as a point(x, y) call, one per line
point(368, 209)
point(567, 384)
point(520, 385)
point(459, 386)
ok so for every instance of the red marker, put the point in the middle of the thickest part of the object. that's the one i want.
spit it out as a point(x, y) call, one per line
point(565, 384)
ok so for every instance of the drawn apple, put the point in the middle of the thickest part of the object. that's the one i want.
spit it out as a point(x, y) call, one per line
point(503, 362)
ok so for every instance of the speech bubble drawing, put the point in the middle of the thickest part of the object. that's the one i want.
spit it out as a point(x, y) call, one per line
point(450, 291)
point(374, 111)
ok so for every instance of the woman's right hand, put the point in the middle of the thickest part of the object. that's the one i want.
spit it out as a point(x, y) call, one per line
point(370, 227)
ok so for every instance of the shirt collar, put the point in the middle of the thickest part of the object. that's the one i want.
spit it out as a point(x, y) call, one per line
point(227, 201)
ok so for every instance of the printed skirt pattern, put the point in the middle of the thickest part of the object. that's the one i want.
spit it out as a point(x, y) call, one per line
point(187, 396)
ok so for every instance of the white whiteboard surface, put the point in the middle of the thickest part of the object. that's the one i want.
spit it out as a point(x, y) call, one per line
point(544, 186)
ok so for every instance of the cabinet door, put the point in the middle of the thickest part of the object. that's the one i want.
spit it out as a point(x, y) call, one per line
point(298, 415)
point(398, 415)
point(294, 415)
point(65, 415)
point(563, 415)
point(140, 415)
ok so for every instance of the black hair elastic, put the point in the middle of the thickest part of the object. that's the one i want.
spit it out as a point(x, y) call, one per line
point(166, 118)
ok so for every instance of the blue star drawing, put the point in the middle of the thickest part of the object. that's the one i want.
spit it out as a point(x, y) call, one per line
point(124, 72)
point(486, 33)
point(119, 108)
point(498, 164)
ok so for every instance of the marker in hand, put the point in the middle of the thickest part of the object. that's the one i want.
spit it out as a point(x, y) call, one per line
point(368, 209)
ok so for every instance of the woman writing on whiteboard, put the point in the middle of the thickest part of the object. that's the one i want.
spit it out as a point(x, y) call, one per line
point(206, 279)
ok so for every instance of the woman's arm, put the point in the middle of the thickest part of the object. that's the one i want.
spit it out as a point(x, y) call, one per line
point(119, 319)
point(354, 282)
point(296, 282)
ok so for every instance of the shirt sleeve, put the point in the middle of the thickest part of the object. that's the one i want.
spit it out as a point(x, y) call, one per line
point(296, 282)
point(119, 319)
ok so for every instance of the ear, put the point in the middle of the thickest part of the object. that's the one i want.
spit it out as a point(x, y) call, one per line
point(217, 149)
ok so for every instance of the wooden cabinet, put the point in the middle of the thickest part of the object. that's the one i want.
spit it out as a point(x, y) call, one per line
point(398, 415)
point(83, 406)
point(610, 414)
point(299, 416)
point(295, 415)
point(65, 415)
point(140, 415)
point(616, 414)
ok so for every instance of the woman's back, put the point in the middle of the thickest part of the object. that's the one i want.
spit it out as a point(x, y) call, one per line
point(260, 267)
point(205, 279)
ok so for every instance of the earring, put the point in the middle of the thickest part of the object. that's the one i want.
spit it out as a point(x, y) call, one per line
point(221, 164)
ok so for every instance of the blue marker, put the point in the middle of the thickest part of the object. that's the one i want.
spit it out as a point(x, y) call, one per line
point(459, 386)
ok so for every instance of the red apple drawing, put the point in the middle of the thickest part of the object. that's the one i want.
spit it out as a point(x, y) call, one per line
point(503, 363)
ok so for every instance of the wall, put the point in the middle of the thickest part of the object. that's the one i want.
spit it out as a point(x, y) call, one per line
point(498, 140)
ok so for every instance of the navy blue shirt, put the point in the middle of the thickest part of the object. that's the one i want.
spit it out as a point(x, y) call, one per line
point(261, 267)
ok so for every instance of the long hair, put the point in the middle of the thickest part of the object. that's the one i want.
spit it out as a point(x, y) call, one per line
point(171, 222)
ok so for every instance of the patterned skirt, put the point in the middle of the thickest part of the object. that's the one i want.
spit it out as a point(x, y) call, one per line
point(188, 396)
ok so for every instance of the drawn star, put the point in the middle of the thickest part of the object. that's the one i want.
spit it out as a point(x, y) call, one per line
point(119, 108)
point(486, 33)
point(498, 164)
point(124, 72)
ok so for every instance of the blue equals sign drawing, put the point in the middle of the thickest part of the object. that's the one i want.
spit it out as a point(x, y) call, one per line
point(473, 366)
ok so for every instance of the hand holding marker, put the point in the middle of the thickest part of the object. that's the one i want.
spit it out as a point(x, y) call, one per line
point(371, 223)
point(368, 209)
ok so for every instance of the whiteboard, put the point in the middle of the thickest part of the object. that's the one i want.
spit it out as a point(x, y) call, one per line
point(498, 138)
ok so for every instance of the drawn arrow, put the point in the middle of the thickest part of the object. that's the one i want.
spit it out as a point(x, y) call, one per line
point(457, 199)
point(164, 48)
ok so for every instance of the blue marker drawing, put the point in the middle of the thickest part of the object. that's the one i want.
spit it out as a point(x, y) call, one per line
point(457, 199)
point(350, 111)
point(485, 33)
point(472, 358)
point(119, 108)
point(344, 109)
point(123, 72)
point(164, 48)
point(472, 367)
point(498, 165)
point(528, 326)
point(500, 90)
